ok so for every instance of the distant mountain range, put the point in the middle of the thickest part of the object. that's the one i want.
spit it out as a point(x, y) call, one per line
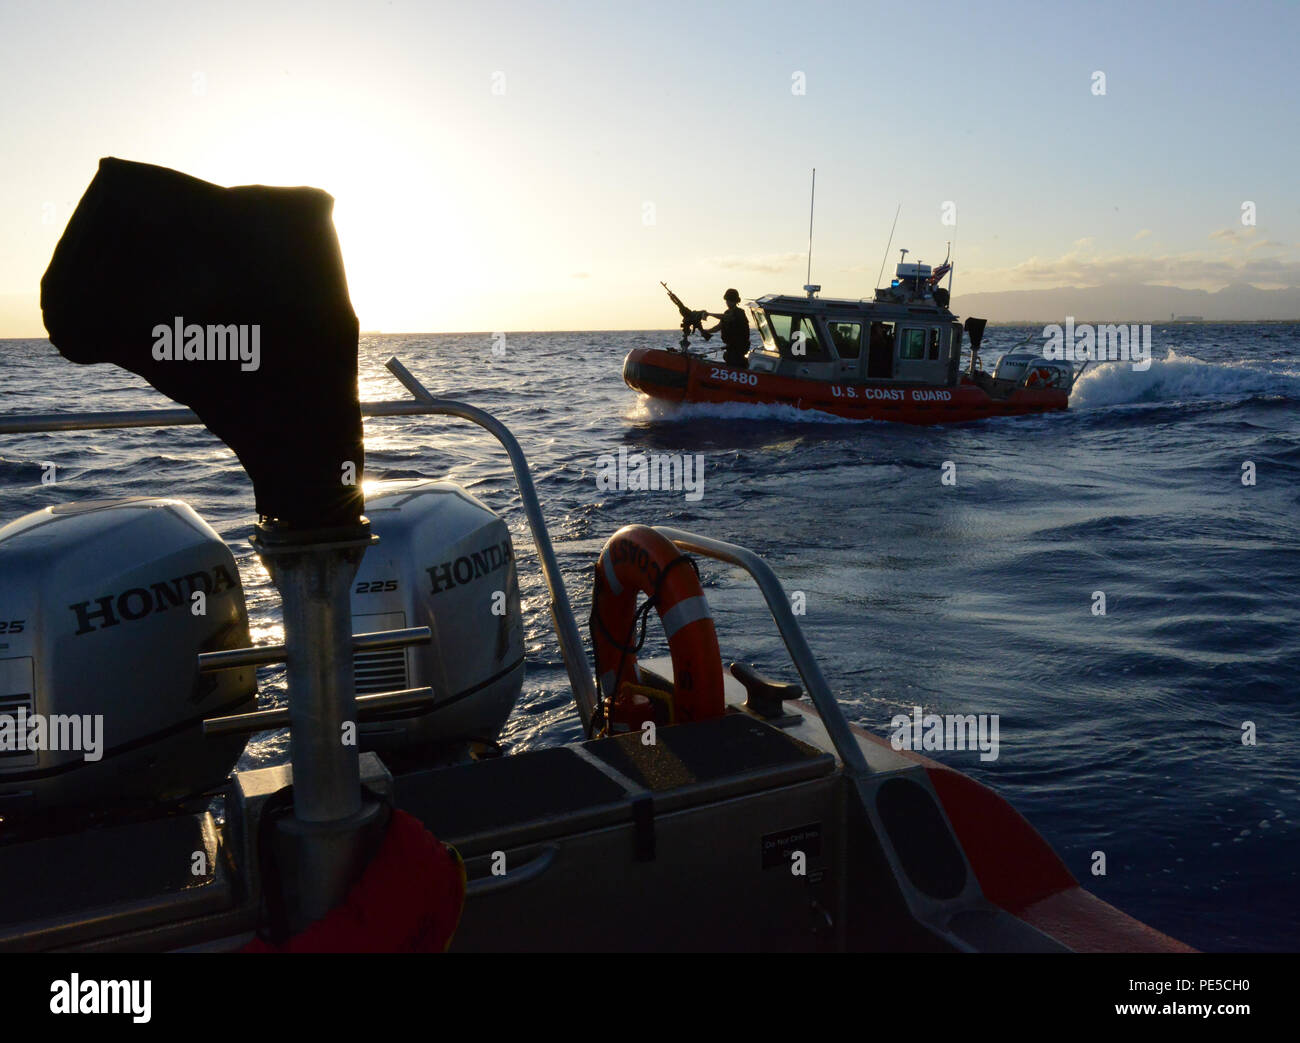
point(1238, 302)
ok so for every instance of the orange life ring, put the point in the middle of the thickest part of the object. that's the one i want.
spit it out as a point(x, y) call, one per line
point(636, 559)
point(1038, 376)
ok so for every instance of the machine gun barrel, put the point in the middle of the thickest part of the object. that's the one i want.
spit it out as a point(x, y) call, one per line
point(686, 312)
point(692, 321)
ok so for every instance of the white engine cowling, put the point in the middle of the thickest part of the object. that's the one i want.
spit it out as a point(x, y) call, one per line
point(101, 699)
point(446, 561)
point(1055, 373)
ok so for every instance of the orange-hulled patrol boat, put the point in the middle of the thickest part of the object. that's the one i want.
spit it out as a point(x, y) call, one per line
point(897, 356)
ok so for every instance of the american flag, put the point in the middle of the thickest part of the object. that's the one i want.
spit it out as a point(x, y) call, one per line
point(940, 272)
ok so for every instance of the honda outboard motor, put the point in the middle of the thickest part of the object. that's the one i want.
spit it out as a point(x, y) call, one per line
point(1052, 373)
point(443, 560)
point(106, 606)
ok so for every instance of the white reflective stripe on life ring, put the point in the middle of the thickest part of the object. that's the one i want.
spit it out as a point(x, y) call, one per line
point(615, 586)
point(688, 610)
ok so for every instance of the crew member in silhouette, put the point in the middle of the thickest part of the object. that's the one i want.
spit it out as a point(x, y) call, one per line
point(880, 353)
point(734, 328)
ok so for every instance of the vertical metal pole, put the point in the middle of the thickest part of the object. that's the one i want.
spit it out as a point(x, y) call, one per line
point(321, 848)
point(812, 199)
point(318, 640)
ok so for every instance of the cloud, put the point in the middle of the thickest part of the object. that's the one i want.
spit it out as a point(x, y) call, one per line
point(1234, 235)
point(1190, 270)
point(771, 264)
point(581, 275)
point(1143, 234)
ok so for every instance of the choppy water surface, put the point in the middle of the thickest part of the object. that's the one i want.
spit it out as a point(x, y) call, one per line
point(1119, 733)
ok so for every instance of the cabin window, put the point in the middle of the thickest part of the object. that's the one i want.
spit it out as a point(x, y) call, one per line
point(812, 345)
point(781, 332)
point(934, 344)
point(847, 338)
point(912, 346)
point(764, 330)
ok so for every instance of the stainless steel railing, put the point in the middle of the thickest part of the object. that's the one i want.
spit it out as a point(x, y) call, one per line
point(425, 404)
point(837, 726)
point(566, 627)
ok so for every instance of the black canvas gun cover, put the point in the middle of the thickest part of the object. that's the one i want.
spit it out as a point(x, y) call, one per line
point(149, 247)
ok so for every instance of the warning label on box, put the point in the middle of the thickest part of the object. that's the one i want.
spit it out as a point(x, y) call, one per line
point(778, 847)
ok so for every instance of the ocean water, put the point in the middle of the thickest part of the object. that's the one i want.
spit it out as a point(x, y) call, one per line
point(1119, 733)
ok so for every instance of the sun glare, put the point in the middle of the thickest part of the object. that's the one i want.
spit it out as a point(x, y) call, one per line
point(402, 215)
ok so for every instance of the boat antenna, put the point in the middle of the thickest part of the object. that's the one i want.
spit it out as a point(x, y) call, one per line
point(812, 199)
point(889, 244)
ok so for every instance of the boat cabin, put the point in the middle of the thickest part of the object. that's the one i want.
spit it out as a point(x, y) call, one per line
point(905, 335)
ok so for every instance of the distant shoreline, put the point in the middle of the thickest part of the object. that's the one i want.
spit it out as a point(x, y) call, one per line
point(1078, 319)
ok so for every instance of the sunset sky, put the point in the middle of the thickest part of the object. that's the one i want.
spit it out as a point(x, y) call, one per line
point(514, 166)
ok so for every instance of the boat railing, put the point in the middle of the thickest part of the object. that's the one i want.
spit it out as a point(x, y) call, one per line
point(561, 610)
point(326, 831)
point(778, 603)
point(424, 404)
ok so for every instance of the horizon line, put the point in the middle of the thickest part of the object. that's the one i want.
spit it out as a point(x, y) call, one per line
point(673, 331)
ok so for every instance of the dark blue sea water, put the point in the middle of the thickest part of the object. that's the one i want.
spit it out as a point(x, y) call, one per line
point(1119, 733)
